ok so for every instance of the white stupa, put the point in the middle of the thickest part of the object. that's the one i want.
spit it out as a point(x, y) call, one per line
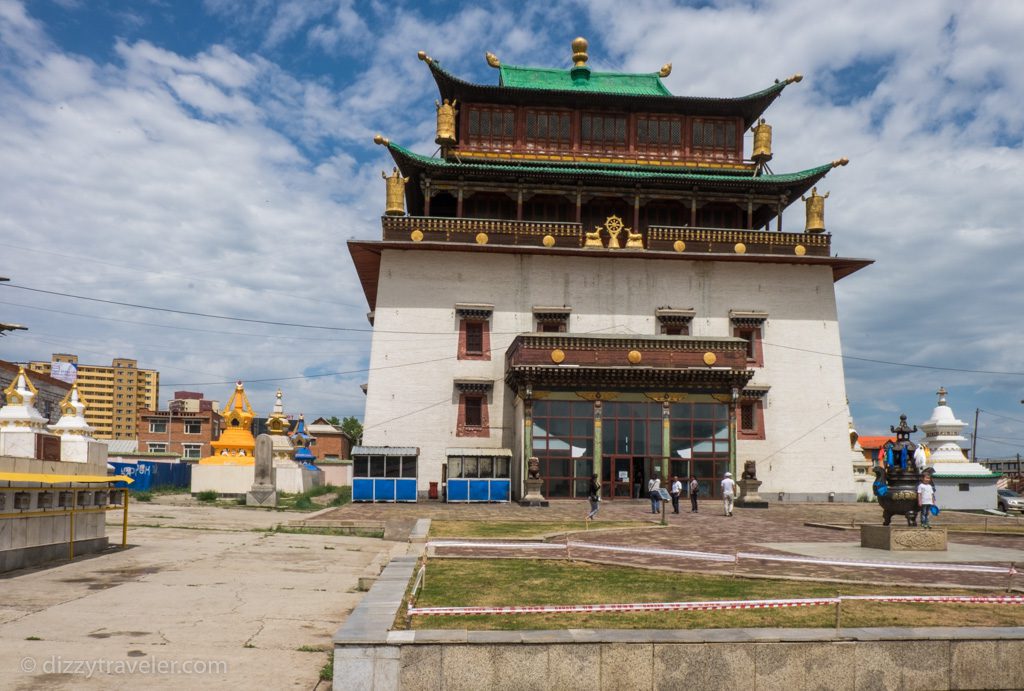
point(277, 427)
point(76, 440)
point(20, 422)
point(959, 483)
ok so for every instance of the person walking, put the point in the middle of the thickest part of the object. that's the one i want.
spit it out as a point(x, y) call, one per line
point(654, 492)
point(675, 491)
point(728, 492)
point(925, 500)
point(694, 491)
point(595, 498)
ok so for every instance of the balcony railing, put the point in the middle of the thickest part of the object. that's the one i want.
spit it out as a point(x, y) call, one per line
point(679, 240)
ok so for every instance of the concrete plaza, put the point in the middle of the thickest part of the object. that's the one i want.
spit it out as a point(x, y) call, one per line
point(208, 599)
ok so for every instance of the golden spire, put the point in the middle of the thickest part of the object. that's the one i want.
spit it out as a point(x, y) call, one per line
point(73, 402)
point(492, 60)
point(579, 52)
point(238, 412)
point(14, 394)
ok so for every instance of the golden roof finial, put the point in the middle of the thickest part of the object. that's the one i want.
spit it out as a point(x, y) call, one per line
point(492, 60)
point(13, 392)
point(378, 139)
point(840, 162)
point(795, 78)
point(579, 52)
point(422, 55)
point(665, 70)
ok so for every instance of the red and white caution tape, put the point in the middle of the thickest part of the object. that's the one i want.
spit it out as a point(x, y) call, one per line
point(714, 605)
point(729, 558)
point(974, 568)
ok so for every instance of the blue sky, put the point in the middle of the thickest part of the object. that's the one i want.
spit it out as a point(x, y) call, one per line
point(215, 156)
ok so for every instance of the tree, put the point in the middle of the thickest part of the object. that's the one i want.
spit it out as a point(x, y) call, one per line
point(333, 420)
point(353, 428)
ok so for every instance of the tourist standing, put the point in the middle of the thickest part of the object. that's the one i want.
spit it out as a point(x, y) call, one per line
point(694, 491)
point(675, 491)
point(728, 492)
point(926, 499)
point(654, 492)
point(595, 498)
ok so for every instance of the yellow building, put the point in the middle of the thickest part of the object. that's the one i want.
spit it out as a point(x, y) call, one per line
point(115, 392)
point(236, 445)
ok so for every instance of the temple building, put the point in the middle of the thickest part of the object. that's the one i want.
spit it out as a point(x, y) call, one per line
point(594, 272)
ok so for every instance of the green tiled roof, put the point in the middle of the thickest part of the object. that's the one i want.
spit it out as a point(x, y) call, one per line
point(553, 79)
point(638, 172)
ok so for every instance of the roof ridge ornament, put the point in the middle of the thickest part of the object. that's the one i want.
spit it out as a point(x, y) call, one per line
point(795, 78)
point(492, 60)
point(840, 162)
point(422, 55)
point(579, 52)
point(665, 70)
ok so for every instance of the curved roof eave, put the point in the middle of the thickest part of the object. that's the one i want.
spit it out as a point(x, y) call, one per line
point(749, 107)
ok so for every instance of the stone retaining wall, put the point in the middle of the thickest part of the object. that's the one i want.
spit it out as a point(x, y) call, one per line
point(369, 656)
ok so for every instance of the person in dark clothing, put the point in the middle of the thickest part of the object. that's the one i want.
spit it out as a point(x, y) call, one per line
point(595, 498)
point(694, 489)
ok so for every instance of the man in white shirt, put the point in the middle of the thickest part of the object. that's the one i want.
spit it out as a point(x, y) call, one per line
point(925, 500)
point(654, 491)
point(675, 491)
point(728, 492)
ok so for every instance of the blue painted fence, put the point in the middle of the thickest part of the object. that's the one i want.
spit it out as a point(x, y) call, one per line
point(151, 474)
point(383, 489)
point(482, 490)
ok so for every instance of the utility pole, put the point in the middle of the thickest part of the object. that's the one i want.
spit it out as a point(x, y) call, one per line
point(974, 437)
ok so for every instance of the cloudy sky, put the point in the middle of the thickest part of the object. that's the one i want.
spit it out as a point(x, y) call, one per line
point(214, 156)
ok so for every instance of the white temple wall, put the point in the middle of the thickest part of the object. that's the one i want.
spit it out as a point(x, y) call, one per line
point(417, 405)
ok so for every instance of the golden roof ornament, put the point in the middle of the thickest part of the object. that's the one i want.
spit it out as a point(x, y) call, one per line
point(840, 162)
point(579, 52)
point(238, 412)
point(815, 205)
point(277, 423)
point(492, 60)
point(395, 200)
point(73, 402)
point(446, 113)
point(381, 140)
point(665, 70)
point(762, 142)
point(422, 55)
point(15, 393)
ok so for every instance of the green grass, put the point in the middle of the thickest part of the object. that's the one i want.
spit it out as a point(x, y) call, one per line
point(304, 501)
point(313, 530)
point(327, 671)
point(207, 495)
point(464, 582)
point(141, 496)
point(445, 529)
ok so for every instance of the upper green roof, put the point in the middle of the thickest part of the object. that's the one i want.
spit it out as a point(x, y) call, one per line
point(554, 79)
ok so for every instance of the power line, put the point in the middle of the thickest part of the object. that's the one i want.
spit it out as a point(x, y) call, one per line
point(1003, 443)
point(890, 362)
point(1011, 419)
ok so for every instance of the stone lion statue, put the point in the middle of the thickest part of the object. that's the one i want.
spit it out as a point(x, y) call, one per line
point(749, 471)
point(533, 468)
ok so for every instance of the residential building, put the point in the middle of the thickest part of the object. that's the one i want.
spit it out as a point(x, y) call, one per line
point(593, 273)
point(114, 393)
point(329, 441)
point(187, 428)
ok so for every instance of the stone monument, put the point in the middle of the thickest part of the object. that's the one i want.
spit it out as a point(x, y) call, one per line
point(749, 484)
point(534, 482)
point(263, 492)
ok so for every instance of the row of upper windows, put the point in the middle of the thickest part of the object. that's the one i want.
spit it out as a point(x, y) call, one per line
point(503, 128)
point(474, 334)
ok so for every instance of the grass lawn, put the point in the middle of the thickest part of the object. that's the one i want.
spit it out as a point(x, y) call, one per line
point(304, 502)
point(448, 529)
point(469, 582)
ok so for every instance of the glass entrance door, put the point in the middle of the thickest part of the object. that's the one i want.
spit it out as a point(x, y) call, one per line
point(617, 477)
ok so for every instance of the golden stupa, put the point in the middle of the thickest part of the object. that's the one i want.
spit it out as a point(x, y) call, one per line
point(236, 445)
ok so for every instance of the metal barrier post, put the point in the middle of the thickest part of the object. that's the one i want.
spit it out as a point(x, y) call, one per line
point(124, 520)
point(71, 542)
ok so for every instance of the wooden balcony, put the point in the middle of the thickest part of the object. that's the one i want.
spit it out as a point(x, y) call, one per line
point(666, 239)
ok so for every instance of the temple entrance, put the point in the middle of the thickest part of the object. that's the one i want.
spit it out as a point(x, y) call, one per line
point(622, 476)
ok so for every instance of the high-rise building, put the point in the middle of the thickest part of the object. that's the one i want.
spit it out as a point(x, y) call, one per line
point(115, 392)
point(593, 278)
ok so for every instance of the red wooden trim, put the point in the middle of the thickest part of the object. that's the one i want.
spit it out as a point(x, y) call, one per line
point(758, 431)
point(758, 334)
point(464, 354)
point(464, 430)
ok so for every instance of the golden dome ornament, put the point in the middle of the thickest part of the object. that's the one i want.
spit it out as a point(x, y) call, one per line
point(481, 238)
point(558, 356)
point(740, 248)
point(799, 250)
point(416, 235)
point(710, 358)
point(679, 246)
point(549, 241)
point(634, 357)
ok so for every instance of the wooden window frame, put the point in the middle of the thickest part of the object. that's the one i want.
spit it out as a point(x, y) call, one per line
point(643, 121)
point(462, 427)
point(604, 145)
point(490, 142)
point(464, 352)
point(756, 414)
point(548, 143)
point(715, 150)
point(755, 347)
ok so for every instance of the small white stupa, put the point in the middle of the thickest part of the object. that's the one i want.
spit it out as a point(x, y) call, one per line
point(959, 483)
point(77, 445)
point(277, 427)
point(20, 422)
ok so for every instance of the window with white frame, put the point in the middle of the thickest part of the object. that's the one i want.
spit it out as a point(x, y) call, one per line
point(192, 450)
point(156, 447)
point(158, 426)
point(193, 427)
